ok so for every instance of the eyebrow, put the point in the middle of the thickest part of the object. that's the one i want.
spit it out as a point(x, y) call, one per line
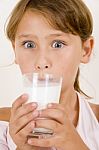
point(34, 36)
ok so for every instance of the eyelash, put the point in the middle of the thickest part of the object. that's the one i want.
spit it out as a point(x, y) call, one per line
point(54, 42)
point(59, 42)
point(26, 42)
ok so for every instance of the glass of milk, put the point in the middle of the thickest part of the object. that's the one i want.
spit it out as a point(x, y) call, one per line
point(42, 88)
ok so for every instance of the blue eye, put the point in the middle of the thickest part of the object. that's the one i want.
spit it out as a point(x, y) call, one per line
point(29, 44)
point(58, 44)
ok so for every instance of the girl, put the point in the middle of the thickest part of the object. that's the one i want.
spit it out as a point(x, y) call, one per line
point(53, 36)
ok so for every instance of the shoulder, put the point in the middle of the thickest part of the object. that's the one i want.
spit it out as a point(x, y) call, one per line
point(5, 113)
point(95, 108)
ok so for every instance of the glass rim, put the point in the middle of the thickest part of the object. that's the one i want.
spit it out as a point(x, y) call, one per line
point(47, 75)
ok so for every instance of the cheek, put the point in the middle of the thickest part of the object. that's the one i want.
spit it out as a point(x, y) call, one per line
point(68, 68)
point(69, 63)
point(24, 62)
point(26, 66)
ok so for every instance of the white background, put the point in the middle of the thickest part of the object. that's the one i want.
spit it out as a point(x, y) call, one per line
point(10, 76)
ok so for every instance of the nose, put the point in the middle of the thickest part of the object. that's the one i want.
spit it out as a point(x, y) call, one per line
point(42, 63)
point(41, 67)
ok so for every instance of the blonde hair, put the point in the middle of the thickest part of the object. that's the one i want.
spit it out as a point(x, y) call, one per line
point(69, 16)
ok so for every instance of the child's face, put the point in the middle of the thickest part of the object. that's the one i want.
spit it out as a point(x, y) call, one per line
point(40, 47)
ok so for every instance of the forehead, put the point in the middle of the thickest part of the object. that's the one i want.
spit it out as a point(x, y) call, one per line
point(33, 18)
point(35, 25)
point(34, 22)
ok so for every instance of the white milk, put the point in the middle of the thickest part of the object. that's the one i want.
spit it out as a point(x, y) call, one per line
point(43, 94)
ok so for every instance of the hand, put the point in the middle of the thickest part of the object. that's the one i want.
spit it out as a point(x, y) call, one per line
point(65, 135)
point(22, 122)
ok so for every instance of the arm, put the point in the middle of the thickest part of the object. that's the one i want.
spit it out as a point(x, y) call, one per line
point(5, 114)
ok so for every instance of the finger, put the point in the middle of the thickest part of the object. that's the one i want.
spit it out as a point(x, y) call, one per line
point(55, 106)
point(48, 124)
point(23, 121)
point(43, 142)
point(55, 114)
point(25, 109)
point(27, 129)
point(19, 102)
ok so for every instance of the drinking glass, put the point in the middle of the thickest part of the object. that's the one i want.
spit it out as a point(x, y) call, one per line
point(42, 88)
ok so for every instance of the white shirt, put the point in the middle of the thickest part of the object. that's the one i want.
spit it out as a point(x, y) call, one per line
point(87, 127)
point(3, 135)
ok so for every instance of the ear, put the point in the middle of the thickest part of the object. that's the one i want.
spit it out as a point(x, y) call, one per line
point(13, 46)
point(87, 50)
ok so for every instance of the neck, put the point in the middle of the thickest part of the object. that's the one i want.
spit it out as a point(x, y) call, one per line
point(70, 102)
point(69, 99)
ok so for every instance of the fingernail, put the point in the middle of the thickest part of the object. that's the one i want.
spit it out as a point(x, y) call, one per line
point(32, 124)
point(49, 105)
point(29, 141)
point(24, 96)
point(34, 104)
point(35, 113)
point(40, 112)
